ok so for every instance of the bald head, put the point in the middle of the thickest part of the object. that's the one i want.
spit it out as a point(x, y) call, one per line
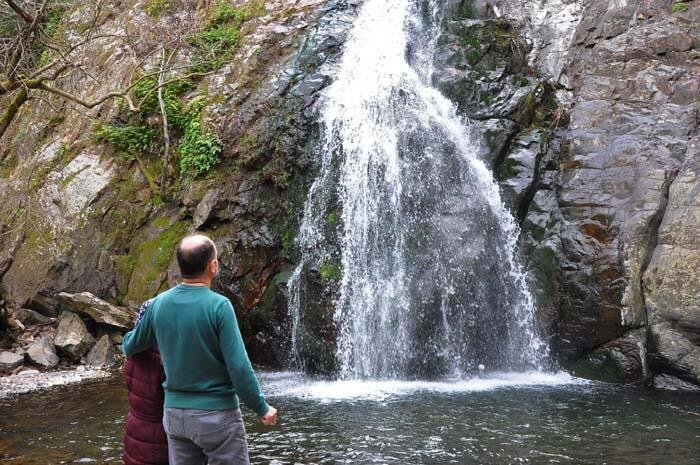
point(194, 254)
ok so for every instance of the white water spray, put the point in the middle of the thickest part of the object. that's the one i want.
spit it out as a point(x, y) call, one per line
point(430, 284)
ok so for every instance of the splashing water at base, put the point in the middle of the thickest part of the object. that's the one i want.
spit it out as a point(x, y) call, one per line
point(290, 384)
point(430, 285)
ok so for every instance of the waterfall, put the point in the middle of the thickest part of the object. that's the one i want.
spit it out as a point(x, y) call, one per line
point(430, 283)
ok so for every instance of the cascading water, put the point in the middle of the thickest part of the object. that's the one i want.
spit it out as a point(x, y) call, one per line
point(430, 285)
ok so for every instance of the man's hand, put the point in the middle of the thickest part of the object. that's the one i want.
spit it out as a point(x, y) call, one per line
point(270, 417)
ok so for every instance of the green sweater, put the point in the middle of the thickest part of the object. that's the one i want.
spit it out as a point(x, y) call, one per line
point(205, 361)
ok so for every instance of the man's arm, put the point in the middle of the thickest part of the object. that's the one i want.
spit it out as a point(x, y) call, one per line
point(237, 362)
point(141, 337)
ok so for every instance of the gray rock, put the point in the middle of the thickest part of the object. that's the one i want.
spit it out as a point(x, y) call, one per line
point(9, 361)
point(31, 317)
point(102, 353)
point(619, 361)
point(97, 309)
point(670, 351)
point(671, 383)
point(205, 210)
point(42, 352)
point(72, 337)
point(612, 238)
point(672, 279)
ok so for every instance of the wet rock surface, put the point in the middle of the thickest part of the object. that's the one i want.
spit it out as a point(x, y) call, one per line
point(29, 381)
point(611, 231)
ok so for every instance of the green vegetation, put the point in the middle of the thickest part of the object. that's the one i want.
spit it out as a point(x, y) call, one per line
point(215, 44)
point(8, 164)
point(473, 46)
point(155, 8)
point(199, 150)
point(332, 218)
point(161, 250)
point(467, 10)
point(520, 80)
point(51, 21)
point(127, 140)
point(288, 237)
point(147, 264)
point(146, 93)
point(680, 7)
point(330, 270)
point(39, 174)
point(501, 36)
point(470, 41)
point(485, 97)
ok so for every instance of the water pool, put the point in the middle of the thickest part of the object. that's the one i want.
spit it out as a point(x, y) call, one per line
point(500, 419)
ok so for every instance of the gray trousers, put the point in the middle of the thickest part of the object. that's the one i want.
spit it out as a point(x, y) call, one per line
point(200, 437)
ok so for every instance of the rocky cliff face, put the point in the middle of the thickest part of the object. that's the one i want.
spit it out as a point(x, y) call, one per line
point(78, 216)
point(611, 231)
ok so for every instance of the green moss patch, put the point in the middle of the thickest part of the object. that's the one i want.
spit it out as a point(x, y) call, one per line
point(150, 262)
point(330, 270)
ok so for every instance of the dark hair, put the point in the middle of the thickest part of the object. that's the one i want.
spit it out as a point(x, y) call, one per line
point(194, 260)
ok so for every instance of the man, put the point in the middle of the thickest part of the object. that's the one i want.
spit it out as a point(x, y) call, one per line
point(206, 365)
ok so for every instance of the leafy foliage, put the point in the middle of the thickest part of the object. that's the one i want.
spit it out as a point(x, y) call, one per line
point(679, 7)
point(215, 44)
point(126, 139)
point(199, 150)
point(154, 8)
point(146, 92)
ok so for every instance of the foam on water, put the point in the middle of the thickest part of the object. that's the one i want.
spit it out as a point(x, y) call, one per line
point(293, 384)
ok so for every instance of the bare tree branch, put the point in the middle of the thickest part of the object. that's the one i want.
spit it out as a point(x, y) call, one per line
point(164, 115)
point(20, 12)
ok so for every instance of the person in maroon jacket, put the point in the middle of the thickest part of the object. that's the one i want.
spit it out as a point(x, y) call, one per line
point(145, 441)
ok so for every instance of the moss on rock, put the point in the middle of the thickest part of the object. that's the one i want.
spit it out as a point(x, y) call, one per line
point(150, 262)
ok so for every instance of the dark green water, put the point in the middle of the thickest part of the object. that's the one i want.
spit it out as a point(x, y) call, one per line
point(512, 419)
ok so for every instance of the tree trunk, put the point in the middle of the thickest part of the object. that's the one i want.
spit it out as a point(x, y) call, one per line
point(20, 97)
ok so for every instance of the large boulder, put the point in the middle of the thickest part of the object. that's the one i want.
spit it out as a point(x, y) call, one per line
point(102, 353)
point(42, 352)
point(72, 337)
point(96, 309)
point(9, 361)
point(618, 361)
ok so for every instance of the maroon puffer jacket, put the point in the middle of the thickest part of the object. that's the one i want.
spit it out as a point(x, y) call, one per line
point(145, 442)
